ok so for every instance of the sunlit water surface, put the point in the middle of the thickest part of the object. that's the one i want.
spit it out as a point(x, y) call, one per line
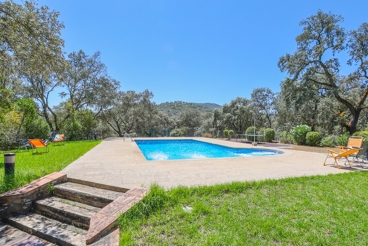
point(192, 149)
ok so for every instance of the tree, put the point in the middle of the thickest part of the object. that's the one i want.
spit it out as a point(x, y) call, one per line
point(237, 115)
point(40, 89)
point(264, 101)
point(190, 118)
point(314, 61)
point(30, 38)
point(87, 84)
point(130, 110)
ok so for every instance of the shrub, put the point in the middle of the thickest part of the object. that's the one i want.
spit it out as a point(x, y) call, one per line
point(250, 130)
point(231, 133)
point(328, 141)
point(342, 140)
point(299, 133)
point(363, 134)
point(286, 137)
point(313, 138)
point(176, 133)
point(269, 134)
point(37, 129)
point(73, 130)
point(207, 135)
point(226, 133)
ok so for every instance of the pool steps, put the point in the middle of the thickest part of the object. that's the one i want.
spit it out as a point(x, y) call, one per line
point(78, 213)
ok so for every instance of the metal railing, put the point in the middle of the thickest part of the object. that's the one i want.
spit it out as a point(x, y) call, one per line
point(126, 135)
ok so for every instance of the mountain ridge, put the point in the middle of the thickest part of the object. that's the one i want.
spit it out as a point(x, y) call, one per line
point(177, 107)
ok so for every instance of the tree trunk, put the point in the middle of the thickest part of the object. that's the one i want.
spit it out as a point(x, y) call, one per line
point(354, 121)
point(44, 112)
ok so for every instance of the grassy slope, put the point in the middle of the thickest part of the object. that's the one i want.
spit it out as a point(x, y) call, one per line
point(318, 210)
point(30, 166)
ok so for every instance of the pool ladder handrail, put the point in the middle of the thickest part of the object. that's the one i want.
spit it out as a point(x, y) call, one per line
point(127, 135)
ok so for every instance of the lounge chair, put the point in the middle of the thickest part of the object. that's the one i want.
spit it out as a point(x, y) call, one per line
point(337, 156)
point(23, 144)
point(353, 142)
point(59, 138)
point(362, 154)
point(36, 144)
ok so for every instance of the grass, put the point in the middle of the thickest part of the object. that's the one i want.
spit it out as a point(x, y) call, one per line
point(29, 167)
point(317, 210)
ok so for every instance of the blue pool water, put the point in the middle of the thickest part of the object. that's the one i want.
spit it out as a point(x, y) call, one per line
point(192, 149)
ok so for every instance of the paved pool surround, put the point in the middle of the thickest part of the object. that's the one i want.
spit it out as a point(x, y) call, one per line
point(120, 163)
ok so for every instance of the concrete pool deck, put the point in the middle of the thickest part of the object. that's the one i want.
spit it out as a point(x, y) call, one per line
point(120, 163)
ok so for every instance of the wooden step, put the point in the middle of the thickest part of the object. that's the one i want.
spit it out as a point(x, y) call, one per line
point(86, 194)
point(67, 211)
point(11, 236)
point(49, 229)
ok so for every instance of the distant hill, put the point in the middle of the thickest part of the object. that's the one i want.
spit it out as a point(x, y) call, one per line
point(209, 105)
point(177, 107)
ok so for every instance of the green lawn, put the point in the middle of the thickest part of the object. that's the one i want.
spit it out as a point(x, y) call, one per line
point(29, 167)
point(318, 210)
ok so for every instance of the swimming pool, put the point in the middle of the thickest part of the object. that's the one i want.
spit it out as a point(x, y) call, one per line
point(192, 149)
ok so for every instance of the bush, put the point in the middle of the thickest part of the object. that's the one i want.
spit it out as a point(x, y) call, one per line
point(176, 133)
point(299, 134)
point(313, 138)
point(226, 133)
point(250, 130)
point(231, 133)
point(37, 129)
point(363, 134)
point(328, 141)
point(73, 130)
point(342, 140)
point(269, 134)
point(207, 135)
point(286, 137)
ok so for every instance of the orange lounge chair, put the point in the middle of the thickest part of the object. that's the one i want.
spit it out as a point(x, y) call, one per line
point(353, 142)
point(337, 156)
point(59, 138)
point(36, 144)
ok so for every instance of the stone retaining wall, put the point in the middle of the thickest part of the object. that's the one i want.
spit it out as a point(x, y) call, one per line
point(19, 201)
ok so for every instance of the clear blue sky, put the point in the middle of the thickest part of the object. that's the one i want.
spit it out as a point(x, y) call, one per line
point(194, 51)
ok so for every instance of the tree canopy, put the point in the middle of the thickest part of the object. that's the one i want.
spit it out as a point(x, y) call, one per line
point(30, 40)
point(316, 61)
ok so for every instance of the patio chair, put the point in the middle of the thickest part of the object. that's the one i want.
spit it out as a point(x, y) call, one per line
point(353, 142)
point(362, 154)
point(59, 138)
point(36, 144)
point(23, 144)
point(337, 156)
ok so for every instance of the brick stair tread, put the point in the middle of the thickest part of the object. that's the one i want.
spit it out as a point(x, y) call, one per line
point(49, 229)
point(92, 191)
point(11, 236)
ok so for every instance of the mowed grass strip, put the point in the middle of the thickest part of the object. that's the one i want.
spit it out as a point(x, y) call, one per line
point(317, 210)
point(29, 167)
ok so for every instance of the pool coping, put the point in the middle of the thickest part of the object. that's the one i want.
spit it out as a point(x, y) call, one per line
point(120, 163)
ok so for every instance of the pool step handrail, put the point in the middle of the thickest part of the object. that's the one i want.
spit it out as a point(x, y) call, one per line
point(126, 135)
